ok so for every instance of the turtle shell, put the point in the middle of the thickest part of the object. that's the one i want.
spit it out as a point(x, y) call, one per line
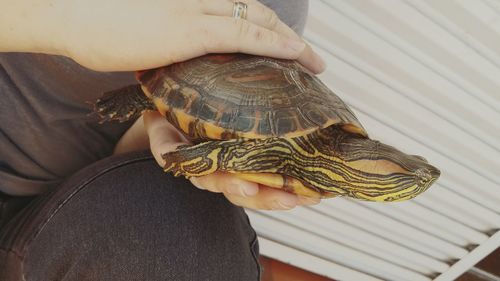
point(243, 96)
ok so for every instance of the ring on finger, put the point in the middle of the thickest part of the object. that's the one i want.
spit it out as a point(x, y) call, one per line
point(240, 10)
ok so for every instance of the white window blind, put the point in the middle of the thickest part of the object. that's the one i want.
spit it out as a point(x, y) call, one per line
point(424, 76)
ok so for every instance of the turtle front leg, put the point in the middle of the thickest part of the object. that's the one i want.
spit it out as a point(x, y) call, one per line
point(235, 155)
point(264, 161)
point(124, 104)
point(193, 160)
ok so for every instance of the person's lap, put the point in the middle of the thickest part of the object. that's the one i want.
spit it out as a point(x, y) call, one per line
point(124, 219)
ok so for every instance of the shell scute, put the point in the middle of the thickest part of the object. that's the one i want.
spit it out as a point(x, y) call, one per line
point(285, 121)
point(208, 112)
point(177, 100)
point(265, 124)
point(245, 120)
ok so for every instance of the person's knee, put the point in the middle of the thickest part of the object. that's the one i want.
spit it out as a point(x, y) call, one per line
point(136, 221)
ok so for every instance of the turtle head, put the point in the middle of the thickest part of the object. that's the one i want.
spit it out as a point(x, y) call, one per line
point(385, 173)
point(414, 172)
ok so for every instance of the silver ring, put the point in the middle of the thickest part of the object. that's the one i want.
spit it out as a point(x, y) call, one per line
point(240, 10)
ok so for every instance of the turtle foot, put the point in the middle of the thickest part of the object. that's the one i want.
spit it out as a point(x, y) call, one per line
point(123, 104)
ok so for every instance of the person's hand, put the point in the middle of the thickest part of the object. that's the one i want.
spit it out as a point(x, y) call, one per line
point(117, 35)
point(163, 137)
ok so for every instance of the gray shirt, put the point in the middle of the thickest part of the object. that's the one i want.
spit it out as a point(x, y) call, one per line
point(46, 133)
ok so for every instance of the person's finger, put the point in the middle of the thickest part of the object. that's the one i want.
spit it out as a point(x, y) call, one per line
point(308, 201)
point(311, 60)
point(227, 183)
point(163, 136)
point(243, 36)
point(265, 17)
point(257, 13)
point(267, 199)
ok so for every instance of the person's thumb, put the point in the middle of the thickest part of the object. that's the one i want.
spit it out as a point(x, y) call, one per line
point(163, 137)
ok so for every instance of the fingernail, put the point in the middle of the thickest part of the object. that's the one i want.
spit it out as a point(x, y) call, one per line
point(243, 188)
point(295, 45)
point(285, 203)
point(250, 189)
point(320, 63)
point(308, 201)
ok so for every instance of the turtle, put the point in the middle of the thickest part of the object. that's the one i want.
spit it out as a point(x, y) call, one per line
point(270, 121)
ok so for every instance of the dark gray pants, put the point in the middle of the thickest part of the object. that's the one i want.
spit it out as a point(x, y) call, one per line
point(124, 219)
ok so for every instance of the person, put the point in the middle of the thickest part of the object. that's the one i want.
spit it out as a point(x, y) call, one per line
point(87, 201)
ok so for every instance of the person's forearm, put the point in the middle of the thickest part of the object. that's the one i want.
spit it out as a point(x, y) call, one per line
point(126, 35)
point(31, 26)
